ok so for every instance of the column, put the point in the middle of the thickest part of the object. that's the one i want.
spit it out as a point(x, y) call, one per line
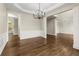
point(76, 27)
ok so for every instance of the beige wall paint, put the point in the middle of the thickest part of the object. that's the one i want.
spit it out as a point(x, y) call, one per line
point(3, 19)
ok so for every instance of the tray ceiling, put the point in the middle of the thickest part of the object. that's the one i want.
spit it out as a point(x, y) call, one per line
point(30, 7)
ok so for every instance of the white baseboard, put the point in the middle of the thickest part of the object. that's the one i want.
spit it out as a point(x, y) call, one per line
point(30, 34)
point(51, 34)
point(3, 41)
point(76, 46)
point(65, 33)
point(76, 42)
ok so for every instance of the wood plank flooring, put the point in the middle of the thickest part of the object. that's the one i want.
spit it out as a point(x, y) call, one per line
point(56, 46)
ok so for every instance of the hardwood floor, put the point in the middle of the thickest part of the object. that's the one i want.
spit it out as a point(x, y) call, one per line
point(56, 46)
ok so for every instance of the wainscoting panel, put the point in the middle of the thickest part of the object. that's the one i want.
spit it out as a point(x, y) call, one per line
point(31, 34)
point(3, 41)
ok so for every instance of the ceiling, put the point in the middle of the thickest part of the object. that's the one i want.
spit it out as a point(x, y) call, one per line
point(30, 7)
point(34, 6)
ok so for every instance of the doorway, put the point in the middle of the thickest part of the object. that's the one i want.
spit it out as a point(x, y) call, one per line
point(51, 29)
point(60, 29)
point(12, 26)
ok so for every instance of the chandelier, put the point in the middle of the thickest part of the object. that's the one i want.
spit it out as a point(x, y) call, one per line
point(39, 14)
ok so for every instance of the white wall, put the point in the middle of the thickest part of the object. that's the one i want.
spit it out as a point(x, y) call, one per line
point(51, 26)
point(76, 27)
point(30, 27)
point(15, 29)
point(65, 22)
point(64, 7)
point(28, 23)
point(3, 27)
point(44, 27)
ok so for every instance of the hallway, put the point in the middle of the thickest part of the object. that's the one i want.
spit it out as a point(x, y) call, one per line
point(60, 46)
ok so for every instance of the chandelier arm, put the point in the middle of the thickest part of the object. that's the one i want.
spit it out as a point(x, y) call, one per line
point(39, 14)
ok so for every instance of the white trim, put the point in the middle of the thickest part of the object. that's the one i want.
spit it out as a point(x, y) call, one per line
point(27, 11)
point(76, 46)
point(54, 7)
point(46, 10)
point(76, 42)
point(66, 32)
point(52, 34)
point(3, 41)
point(31, 34)
point(76, 27)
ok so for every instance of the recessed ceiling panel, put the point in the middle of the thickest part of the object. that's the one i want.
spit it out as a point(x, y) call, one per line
point(31, 7)
point(35, 6)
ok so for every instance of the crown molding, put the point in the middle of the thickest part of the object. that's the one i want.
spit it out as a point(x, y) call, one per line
point(46, 10)
point(54, 7)
point(20, 8)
